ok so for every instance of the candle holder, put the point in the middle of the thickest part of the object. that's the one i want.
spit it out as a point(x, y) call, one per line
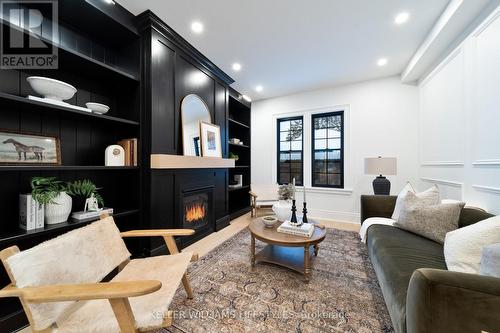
point(304, 213)
point(293, 219)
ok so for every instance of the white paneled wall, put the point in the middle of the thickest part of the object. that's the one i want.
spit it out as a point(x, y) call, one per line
point(460, 120)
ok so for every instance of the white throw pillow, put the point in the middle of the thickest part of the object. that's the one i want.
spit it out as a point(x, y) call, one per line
point(428, 197)
point(399, 200)
point(463, 247)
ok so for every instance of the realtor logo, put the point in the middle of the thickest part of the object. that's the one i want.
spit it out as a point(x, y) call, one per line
point(28, 29)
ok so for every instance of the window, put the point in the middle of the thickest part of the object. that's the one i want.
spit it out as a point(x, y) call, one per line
point(328, 149)
point(290, 153)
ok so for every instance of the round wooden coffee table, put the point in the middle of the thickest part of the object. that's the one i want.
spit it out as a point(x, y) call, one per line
point(290, 251)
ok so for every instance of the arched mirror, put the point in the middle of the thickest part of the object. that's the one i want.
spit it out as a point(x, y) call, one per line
point(193, 111)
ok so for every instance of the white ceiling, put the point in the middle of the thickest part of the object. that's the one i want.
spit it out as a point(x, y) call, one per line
point(296, 45)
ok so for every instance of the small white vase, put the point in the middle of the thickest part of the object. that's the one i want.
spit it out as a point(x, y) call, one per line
point(283, 210)
point(59, 210)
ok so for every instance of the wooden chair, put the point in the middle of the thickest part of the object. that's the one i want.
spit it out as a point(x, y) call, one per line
point(58, 282)
point(263, 195)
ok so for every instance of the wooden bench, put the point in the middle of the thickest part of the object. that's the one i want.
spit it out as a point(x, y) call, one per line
point(59, 281)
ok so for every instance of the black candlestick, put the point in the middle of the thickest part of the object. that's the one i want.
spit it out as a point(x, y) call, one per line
point(293, 219)
point(304, 213)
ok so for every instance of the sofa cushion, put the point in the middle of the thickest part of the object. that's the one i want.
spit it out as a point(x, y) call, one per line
point(463, 247)
point(431, 221)
point(395, 255)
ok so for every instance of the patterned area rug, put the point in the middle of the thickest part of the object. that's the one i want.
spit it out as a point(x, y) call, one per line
point(342, 296)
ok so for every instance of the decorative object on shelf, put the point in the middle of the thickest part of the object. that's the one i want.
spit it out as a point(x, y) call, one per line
point(304, 213)
point(236, 182)
point(91, 215)
point(269, 221)
point(114, 156)
point(50, 192)
point(233, 156)
point(194, 111)
point(234, 141)
point(211, 145)
point(29, 148)
point(31, 213)
point(85, 193)
point(97, 107)
point(241, 143)
point(381, 166)
point(53, 92)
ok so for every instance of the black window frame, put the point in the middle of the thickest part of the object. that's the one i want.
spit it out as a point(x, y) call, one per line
point(342, 160)
point(278, 149)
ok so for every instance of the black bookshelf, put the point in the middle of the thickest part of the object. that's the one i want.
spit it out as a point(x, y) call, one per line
point(239, 127)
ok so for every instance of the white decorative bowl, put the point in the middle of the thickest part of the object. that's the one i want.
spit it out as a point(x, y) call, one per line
point(51, 89)
point(283, 210)
point(97, 107)
point(269, 221)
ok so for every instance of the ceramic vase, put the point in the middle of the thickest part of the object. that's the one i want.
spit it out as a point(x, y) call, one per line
point(59, 210)
point(283, 210)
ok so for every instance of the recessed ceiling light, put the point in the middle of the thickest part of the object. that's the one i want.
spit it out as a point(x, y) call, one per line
point(246, 98)
point(259, 88)
point(236, 67)
point(382, 62)
point(401, 18)
point(197, 27)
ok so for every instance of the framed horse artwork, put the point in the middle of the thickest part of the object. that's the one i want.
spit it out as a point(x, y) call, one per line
point(29, 148)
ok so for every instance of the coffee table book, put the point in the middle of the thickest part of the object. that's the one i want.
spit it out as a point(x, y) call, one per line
point(304, 230)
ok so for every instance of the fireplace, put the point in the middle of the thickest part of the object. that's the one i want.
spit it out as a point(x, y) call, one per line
point(195, 210)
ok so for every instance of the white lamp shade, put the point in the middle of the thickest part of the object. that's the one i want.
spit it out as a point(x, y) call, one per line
point(381, 166)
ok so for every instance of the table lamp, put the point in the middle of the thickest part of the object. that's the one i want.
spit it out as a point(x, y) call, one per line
point(381, 166)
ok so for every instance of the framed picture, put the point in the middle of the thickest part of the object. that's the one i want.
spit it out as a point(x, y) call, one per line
point(28, 148)
point(211, 145)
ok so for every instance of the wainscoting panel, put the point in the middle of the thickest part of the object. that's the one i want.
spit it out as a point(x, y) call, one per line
point(459, 120)
point(442, 113)
point(487, 99)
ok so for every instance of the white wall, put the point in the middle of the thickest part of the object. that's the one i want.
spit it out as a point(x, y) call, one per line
point(460, 120)
point(381, 120)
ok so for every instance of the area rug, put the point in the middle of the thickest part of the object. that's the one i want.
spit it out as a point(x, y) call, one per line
point(342, 296)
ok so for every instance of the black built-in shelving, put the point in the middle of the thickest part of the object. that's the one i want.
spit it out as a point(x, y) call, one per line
point(98, 53)
point(239, 128)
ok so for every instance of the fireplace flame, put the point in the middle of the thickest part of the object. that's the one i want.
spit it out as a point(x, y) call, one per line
point(195, 212)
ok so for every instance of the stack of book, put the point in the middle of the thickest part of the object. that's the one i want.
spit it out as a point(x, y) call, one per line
point(31, 213)
point(304, 230)
point(90, 215)
point(130, 148)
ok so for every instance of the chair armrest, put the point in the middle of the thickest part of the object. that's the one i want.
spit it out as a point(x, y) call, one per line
point(444, 301)
point(84, 291)
point(157, 233)
point(377, 206)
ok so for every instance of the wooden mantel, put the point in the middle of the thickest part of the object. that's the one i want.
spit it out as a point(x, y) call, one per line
point(163, 161)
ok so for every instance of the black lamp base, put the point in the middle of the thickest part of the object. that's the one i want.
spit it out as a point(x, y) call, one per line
point(381, 186)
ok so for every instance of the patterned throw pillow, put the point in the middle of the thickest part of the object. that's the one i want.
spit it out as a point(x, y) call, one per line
point(431, 221)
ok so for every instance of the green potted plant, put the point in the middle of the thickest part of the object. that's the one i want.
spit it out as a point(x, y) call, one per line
point(81, 190)
point(50, 192)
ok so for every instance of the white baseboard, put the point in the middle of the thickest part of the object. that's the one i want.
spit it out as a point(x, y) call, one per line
point(336, 216)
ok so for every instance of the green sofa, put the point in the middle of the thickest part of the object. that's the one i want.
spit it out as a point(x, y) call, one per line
point(422, 296)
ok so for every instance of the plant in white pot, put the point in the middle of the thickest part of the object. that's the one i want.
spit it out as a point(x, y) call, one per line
point(81, 190)
point(50, 192)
